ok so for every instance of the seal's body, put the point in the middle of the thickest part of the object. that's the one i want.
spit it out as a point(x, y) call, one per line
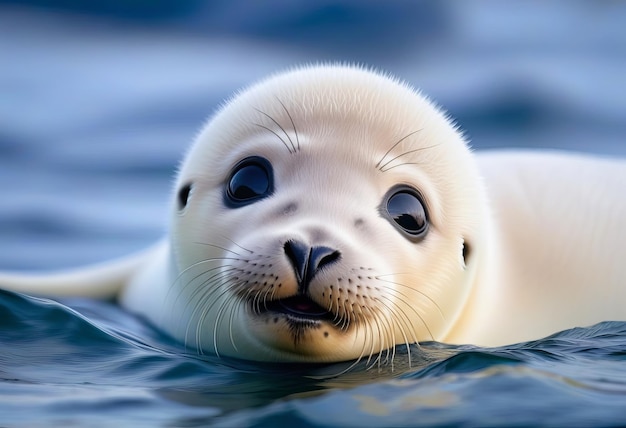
point(555, 262)
point(330, 213)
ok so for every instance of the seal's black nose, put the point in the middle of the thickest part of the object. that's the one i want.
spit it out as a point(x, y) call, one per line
point(307, 261)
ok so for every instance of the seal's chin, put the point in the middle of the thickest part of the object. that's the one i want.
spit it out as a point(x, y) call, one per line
point(297, 309)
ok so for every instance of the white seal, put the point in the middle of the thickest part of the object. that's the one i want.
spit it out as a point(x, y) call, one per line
point(330, 213)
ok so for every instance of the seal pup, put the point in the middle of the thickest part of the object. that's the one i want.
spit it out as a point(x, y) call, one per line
point(332, 212)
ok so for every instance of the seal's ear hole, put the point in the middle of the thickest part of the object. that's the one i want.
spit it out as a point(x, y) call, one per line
point(183, 196)
point(466, 252)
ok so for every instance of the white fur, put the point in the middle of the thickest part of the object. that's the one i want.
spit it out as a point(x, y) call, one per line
point(545, 231)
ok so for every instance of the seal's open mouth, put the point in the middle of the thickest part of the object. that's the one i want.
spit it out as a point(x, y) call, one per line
point(300, 307)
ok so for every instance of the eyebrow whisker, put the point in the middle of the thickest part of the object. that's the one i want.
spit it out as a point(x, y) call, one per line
point(378, 165)
point(278, 136)
point(382, 167)
point(292, 123)
point(293, 147)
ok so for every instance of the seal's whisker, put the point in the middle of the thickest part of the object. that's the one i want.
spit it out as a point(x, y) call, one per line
point(293, 147)
point(382, 167)
point(206, 287)
point(369, 335)
point(197, 264)
point(278, 136)
point(197, 305)
point(235, 243)
point(217, 322)
point(357, 360)
point(342, 312)
point(263, 296)
point(256, 302)
point(407, 345)
point(220, 270)
point(206, 291)
point(400, 164)
point(375, 362)
point(381, 334)
point(218, 318)
point(218, 247)
point(392, 343)
point(204, 304)
point(390, 337)
point(415, 311)
point(413, 289)
point(394, 145)
point(200, 329)
point(408, 325)
point(336, 317)
point(292, 123)
point(197, 325)
point(404, 321)
point(404, 297)
point(178, 278)
point(248, 297)
point(233, 310)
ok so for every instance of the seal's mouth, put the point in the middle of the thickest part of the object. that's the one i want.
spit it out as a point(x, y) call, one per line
point(298, 307)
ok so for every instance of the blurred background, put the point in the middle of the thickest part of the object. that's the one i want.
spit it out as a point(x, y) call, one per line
point(99, 99)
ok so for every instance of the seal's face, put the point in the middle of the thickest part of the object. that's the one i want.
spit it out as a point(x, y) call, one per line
point(326, 214)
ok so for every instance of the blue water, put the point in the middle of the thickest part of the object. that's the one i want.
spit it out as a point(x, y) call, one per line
point(97, 105)
point(90, 362)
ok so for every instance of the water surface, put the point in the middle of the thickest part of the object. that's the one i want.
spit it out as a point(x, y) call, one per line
point(90, 363)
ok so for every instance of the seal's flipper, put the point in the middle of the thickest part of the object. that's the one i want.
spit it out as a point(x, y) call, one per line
point(99, 281)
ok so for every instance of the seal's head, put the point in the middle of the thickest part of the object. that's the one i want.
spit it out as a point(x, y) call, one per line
point(325, 214)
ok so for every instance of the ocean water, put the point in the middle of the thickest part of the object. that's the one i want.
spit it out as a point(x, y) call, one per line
point(86, 363)
point(97, 108)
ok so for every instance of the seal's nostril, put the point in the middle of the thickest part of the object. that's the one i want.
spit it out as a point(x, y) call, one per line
point(307, 261)
point(298, 255)
point(321, 256)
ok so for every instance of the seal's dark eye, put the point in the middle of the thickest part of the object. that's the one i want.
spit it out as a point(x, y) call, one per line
point(250, 180)
point(407, 211)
